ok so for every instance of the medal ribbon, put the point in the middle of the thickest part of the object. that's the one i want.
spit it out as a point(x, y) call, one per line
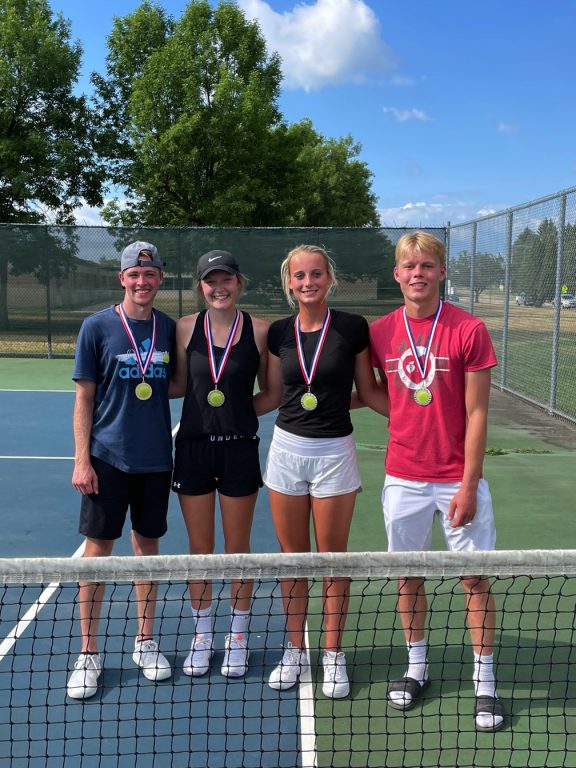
point(422, 367)
point(218, 370)
point(143, 364)
point(309, 376)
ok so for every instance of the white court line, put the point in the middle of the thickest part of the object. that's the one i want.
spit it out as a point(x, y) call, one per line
point(305, 692)
point(9, 641)
point(41, 391)
point(41, 458)
point(308, 754)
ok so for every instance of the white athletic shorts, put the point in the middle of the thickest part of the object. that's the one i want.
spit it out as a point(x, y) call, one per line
point(410, 507)
point(319, 467)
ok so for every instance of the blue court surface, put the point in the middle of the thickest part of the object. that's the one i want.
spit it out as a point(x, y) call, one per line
point(183, 722)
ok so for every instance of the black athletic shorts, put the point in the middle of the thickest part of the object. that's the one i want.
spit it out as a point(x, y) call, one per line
point(228, 464)
point(102, 515)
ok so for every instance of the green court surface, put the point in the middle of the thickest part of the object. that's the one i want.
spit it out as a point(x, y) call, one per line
point(530, 465)
point(33, 373)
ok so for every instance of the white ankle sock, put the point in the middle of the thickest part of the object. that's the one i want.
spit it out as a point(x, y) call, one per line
point(417, 661)
point(484, 682)
point(203, 620)
point(240, 622)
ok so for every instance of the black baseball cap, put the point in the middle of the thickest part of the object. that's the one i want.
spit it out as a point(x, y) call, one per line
point(213, 260)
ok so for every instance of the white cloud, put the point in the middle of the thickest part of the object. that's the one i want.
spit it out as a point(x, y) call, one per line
point(88, 216)
point(403, 115)
point(402, 81)
point(326, 42)
point(432, 213)
point(507, 128)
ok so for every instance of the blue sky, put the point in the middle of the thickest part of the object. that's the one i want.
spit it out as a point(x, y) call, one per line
point(461, 109)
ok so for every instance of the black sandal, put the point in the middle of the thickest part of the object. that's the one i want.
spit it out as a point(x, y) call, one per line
point(409, 687)
point(489, 705)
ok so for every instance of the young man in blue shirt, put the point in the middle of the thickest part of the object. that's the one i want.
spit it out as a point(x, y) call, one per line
point(123, 449)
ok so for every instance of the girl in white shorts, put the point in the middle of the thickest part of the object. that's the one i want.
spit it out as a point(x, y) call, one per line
point(312, 471)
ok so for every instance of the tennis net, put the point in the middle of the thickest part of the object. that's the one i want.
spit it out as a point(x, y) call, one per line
point(219, 722)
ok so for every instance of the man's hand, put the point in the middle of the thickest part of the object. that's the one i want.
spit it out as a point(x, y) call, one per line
point(463, 506)
point(84, 478)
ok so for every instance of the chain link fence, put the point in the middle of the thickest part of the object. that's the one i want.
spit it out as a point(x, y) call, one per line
point(517, 271)
point(51, 277)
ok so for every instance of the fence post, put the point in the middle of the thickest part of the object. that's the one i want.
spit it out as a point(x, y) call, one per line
point(473, 265)
point(506, 318)
point(557, 304)
point(180, 280)
point(48, 308)
point(447, 230)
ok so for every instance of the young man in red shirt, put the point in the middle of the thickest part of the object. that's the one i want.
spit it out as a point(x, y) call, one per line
point(435, 361)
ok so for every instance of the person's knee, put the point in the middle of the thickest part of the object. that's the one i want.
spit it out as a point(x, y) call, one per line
point(144, 546)
point(475, 585)
point(98, 547)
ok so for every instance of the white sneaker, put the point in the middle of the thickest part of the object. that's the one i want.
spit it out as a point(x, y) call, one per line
point(83, 682)
point(154, 665)
point(336, 684)
point(289, 670)
point(198, 660)
point(236, 656)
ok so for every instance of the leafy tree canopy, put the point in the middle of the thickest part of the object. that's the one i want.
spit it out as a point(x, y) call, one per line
point(47, 163)
point(195, 136)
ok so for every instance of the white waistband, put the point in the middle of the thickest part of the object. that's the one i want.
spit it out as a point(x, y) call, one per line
point(311, 446)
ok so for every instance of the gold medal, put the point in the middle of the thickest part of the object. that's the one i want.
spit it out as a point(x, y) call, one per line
point(423, 396)
point(308, 401)
point(216, 398)
point(143, 391)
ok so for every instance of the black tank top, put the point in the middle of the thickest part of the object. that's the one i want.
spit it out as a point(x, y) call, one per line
point(236, 416)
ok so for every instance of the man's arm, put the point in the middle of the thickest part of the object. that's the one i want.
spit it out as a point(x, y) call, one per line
point(477, 396)
point(84, 478)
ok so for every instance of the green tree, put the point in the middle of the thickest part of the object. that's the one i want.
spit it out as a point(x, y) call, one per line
point(488, 271)
point(333, 186)
point(523, 250)
point(536, 253)
point(195, 136)
point(47, 161)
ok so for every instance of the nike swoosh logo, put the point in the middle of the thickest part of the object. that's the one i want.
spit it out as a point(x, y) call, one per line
point(210, 260)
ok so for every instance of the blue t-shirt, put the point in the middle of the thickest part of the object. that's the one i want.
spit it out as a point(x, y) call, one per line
point(131, 434)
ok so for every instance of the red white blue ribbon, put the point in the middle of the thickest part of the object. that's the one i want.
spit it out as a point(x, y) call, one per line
point(309, 374)
point(215, 369)
point(143, 362)
point(422, 365)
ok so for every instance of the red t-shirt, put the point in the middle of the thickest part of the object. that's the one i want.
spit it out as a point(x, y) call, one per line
point(427, 442)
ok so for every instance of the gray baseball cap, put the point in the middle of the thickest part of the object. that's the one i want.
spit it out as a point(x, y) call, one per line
point(217, 260)
point(131, 256)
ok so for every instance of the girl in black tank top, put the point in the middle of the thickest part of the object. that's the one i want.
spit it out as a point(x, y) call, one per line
point(221, 351)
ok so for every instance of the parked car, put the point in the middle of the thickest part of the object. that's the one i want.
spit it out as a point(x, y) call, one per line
point(524, 301)
point(567, 301)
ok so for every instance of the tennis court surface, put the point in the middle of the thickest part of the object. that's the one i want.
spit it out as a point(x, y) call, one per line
point(215, 721)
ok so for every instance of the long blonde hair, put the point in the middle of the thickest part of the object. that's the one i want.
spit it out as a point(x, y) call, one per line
point(285, 269)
